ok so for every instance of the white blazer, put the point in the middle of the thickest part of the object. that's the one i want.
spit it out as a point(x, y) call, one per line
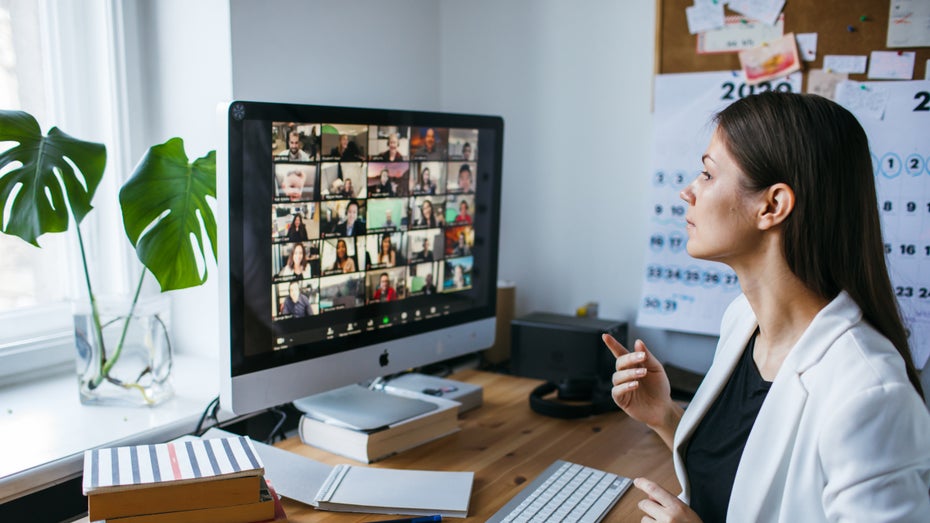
point(841, 436)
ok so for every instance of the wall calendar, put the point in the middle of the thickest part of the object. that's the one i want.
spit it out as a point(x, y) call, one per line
point(684, 294)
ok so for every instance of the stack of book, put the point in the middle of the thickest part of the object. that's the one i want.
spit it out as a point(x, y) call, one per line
point(368, 446)
point(204, 480)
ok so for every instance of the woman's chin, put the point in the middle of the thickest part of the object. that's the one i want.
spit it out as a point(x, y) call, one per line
point(694, 250)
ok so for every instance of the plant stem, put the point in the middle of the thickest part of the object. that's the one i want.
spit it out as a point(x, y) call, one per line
point(119, 346)
point(98, 330)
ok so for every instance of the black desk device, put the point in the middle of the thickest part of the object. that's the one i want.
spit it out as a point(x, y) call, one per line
point(568, 352)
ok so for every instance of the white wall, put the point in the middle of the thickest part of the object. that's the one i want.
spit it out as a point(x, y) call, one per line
point(330, 52)
point(573, 84)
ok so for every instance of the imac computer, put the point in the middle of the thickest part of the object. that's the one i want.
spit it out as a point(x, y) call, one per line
point(353, 243)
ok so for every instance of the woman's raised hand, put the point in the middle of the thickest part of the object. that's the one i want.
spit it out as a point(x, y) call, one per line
point(641, 388)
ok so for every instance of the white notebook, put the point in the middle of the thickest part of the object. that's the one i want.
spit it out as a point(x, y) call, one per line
point(347, 488)
point(393, 491)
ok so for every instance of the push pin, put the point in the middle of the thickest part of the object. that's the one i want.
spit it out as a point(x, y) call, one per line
point(850, 29)
point(863, 18)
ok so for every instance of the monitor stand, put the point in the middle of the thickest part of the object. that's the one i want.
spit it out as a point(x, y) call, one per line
point(358, 407)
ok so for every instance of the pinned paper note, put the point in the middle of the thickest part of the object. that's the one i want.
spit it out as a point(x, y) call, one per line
point(766, 11)
point(704, 16)
point(823, 83)
point(892, 65)
point(807, 46)
point(863, 100)
point(738, 34)
point(769, 61)
point(909, 23)
point(844, 63)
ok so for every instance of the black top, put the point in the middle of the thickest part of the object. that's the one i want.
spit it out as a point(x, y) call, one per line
point(716, 446)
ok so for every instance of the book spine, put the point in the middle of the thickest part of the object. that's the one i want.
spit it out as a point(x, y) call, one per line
point(332, 482)
point(172, 498)
point(338, 440)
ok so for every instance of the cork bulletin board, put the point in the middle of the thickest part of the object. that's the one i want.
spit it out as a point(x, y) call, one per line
point(681, 293)
point(839, 25)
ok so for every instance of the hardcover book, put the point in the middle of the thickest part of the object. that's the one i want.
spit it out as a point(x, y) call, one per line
point(170, 498)
point(183, 475)
point(368, 446)
point(177, 462)
point(261, 510)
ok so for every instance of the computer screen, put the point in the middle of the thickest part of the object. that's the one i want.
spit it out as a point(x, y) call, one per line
point(353, 243)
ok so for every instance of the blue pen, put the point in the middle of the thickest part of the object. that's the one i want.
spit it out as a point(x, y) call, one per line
point(424, 519)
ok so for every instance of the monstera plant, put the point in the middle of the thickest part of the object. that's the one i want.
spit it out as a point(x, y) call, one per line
point(45, 181)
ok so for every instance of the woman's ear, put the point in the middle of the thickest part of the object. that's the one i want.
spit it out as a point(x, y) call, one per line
point(778, 202)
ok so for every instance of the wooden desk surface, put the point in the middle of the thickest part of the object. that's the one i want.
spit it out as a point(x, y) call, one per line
point(506, 445)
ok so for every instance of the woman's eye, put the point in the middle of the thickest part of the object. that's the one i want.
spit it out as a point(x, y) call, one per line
point(706, 175)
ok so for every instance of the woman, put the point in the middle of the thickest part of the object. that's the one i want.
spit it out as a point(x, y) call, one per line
point(298, 264)
point(463, 216)
point(427, 219)
point(458, 277)
point(347, 190)
point(387, 255)
point(297, 231)
point(812, 409)
point(426, 185)
point(384, 292)
point(385, 187)
point(343, 262)
point(392, 154)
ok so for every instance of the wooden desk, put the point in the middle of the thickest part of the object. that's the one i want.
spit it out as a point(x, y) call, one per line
point(506, 445)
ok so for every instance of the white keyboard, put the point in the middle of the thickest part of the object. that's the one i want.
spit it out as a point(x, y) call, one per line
point(566, 492)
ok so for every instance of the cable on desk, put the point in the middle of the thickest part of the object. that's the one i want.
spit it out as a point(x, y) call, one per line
point(215, 406)
point(276, 431)
point(379, 382)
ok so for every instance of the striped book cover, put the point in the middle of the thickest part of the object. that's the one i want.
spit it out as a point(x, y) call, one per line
point(176, 462)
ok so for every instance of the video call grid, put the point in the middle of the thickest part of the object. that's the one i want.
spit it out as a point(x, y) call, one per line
point(385, 213)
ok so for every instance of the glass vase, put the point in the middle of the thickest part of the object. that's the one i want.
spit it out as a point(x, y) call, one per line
point(131, 365)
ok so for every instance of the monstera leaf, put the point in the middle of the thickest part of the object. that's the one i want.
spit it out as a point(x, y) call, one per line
point(161, 203)
point(38, 180)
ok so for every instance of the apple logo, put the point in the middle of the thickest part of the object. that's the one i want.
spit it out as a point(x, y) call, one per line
point(383, 359)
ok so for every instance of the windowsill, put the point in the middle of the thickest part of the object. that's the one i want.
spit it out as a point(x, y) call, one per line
point(44, 429)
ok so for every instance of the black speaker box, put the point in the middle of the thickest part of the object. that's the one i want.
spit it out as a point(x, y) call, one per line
point(568, 352)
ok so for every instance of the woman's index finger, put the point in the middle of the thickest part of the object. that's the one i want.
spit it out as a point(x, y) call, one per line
point(616, 348)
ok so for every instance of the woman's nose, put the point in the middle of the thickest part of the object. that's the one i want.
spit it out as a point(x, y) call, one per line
point(687, 195)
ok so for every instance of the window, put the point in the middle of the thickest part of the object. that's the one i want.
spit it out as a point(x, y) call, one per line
point(63, 74)
point(29, 277)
